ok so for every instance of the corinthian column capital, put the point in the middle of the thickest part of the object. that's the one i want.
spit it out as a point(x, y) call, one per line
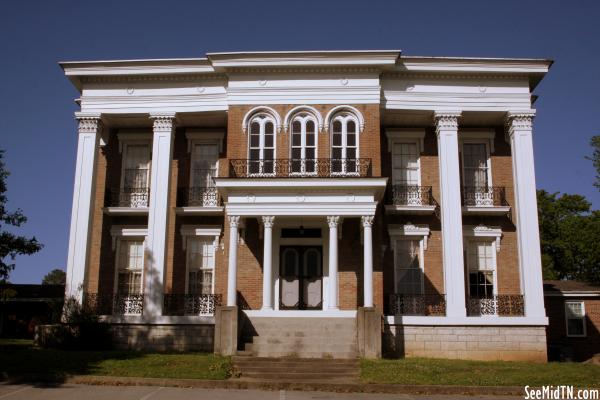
point(519, 121)
point(446, 120)
point(88, 122)
point(162, 121)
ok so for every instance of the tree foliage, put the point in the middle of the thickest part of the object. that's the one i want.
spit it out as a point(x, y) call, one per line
point(595, 143)
point(570, 237)
point(55, 277)
point(11, 244)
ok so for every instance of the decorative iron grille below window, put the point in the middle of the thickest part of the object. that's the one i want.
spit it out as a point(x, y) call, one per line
point(191, 304)
point(484, 196)
point(417, 304)
point(199, 197)
point(301, 168)
point(128, 197)
point(117, 304)
point(502, 305)
point(412, 195)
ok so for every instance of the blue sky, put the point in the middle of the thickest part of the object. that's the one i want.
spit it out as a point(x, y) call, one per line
point(38, 132)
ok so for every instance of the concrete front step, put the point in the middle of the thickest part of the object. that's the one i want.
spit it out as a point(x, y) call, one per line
point(296, 369)
point(299, 349)
point(286, 361)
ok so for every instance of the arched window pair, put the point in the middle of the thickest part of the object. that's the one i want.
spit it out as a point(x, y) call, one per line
point(304, 124)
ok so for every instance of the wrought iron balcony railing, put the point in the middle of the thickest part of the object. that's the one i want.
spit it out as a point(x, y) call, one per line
point(482, 196)
point(191, 304)
point(198, 197)
point(502, 305)
point(133, 197)
point(417, 304)
point(113, 304)
point(301, 168)
point(411, 195)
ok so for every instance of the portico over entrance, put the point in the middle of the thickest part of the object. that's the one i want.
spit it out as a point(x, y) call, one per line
point(300, 223)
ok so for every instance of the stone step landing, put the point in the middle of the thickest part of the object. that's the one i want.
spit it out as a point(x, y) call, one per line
point(302, 337)
point(296, 369)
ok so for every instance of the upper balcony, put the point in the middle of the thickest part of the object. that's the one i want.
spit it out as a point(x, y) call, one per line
point(411, 199)
point(127, 200)
point(199, 200)
point(484, 200)
point(301, 168)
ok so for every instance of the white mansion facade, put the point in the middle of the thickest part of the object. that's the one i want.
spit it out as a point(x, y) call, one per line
point(365, 202)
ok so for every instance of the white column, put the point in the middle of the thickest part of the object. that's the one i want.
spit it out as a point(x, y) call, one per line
point(367, 222)
point(232, 264)
point(451, 213)
point(160, 174)
point(83, 195)
point(333, 221)
point(268, 262)
point(519, 127)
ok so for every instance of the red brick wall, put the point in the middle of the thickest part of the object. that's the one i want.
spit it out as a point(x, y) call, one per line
point(580, 348)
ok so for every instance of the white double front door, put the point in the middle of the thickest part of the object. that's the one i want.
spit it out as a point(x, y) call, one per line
point(301, 278)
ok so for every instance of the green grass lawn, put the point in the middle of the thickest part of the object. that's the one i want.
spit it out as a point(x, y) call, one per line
point(420, 371)
point(19, 357)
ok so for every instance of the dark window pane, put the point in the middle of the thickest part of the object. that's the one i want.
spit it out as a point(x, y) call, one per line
point(254, 128)
point(337, 139)
point(254, 140)
point(351, 139)
point(337, 127)
point(268, 154)
point(310, 139)
point(269, 128)
point(296, 139)
point(268, 140)
point(350, 127)
point(296, 127)
point(254, 154)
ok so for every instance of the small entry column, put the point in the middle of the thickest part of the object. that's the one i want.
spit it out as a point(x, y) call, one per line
point(333, 221)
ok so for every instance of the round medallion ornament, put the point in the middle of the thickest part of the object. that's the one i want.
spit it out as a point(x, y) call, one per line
point(130, 90)
point(344, 81)
point(262, 82)
point(200, 89)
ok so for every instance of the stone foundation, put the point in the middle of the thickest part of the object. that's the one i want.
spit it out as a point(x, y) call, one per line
point(164, 337)
point(510, 343)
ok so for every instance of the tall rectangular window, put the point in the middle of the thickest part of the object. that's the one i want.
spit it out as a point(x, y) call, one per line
point(205, 157)
point(406, 164)
point(407, 267)
point(482, 266)
point(475, 165)
point(135, 179)
point(200, 265)
point(575, 318)
point(130, 264)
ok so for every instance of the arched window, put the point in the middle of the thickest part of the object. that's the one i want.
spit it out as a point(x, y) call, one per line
point(344, 144)
point(303, 145)
point(261, 145)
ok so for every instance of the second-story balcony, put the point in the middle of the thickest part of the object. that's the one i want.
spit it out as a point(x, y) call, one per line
point(411, 199)
point(301, 168)
point(484, 200)
point(198, 200)
point(127, 200)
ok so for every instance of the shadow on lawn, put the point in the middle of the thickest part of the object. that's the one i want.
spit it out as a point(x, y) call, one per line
point(22, 362)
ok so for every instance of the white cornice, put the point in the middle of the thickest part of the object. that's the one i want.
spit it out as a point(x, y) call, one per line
point(372, 58)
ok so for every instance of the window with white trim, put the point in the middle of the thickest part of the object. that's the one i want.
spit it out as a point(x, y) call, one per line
point(200, 265)
point(405, 163)
point(130, 266)
point(481, 260)
point(303, 145)
point(344, 144)
point(476, 169)
point(205, 159)
point(135, 175)
point(575, 318)
point(408, 275)
point(261, 145)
